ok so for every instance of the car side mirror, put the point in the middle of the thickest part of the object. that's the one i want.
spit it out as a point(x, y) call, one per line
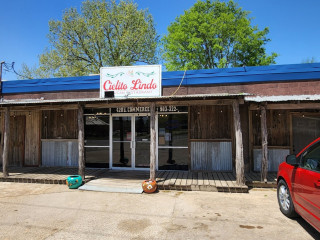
point(292, 160)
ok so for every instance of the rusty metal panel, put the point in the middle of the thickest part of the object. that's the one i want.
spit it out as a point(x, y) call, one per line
point(59, 153)
point(211, 156)
point(275, 157)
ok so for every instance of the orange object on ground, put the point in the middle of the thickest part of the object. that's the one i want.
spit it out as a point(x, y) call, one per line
point(149, 186)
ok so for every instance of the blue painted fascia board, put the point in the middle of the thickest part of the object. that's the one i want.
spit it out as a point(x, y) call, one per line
point(272, 73)
point(52, 84)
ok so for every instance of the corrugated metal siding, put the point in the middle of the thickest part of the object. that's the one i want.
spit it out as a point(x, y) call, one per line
point(275, 157)
point(211, 156)
point(60, 153)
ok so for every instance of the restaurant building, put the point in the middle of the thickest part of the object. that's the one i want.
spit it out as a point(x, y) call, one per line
point(137, 118)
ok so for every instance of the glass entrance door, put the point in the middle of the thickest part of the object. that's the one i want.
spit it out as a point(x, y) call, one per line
point(122, 141)
point(131, 141)
point(142, 142)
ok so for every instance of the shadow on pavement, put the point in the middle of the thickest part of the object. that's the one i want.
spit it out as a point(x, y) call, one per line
point(309, 229)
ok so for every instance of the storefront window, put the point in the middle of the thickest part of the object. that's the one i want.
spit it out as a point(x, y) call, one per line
point(96, 130)
point(97, 142)
point(97, 157)
point(173, 158)
point(173, 141)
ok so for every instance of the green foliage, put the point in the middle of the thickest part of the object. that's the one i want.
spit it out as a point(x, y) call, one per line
point(310, 60)
point(214, 34)
point(105, 33)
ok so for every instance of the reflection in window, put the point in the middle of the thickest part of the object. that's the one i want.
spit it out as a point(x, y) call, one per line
point(96, 132)
point(97, 157)
point(173, 142)
point(173, 158)
point(173, 130)
point(311, 158)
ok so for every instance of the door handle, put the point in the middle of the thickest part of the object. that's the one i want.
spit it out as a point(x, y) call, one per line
point(317, 183)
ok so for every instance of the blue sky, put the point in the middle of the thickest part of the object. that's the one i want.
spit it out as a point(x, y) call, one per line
point(294, 26)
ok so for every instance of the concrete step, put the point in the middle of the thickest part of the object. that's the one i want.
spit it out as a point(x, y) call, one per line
point(100, 185)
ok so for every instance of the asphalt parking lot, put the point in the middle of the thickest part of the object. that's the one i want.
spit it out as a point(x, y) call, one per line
point(42, 211)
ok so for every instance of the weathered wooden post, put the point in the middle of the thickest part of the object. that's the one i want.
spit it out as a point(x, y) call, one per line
point(239, 143)
point(264, 144)
point(6, 139)
point(153, 141)
point(81, 162)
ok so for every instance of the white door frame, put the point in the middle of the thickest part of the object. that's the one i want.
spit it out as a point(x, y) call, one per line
point(132, 142)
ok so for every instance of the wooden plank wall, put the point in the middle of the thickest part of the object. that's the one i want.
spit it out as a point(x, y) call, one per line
point(1, 135)
point(32, 139)
point(24, 138)
point(210, 122)
point(211, 137)
point(17, 140)
point(278, 124)
point(59, 124)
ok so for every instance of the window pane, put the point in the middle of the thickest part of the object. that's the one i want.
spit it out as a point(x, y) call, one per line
point(97, 157)
point(311, 160)
point(121, 128)
point(96, 130)
point(173, 129)
point(121, 155)
point(173, 159)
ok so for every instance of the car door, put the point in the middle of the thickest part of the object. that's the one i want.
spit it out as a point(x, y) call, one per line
point(307, 185)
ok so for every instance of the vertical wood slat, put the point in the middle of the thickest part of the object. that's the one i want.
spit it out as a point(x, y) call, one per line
point(239, 143)
point(81, 160)
point(210, 122)
point(152, 141)
point(264, 144)
point(6, 142)
point(32, 139)
point(17, 140)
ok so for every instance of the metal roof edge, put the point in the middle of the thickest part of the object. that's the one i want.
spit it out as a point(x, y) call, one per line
point(254, 74)
point(282, 98)
point(161, 98)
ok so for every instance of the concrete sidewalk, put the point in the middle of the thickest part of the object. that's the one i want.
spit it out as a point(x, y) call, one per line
point(42, 211)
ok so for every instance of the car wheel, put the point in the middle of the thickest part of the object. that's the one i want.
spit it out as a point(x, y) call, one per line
point(284, 199)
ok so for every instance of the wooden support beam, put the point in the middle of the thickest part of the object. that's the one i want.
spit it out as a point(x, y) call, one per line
point(239, 144)
point(264, 143)
point(153, 141)
point(6, 139)
point(81, 160)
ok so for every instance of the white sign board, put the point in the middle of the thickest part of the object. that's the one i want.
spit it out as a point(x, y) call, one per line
point(131, 81)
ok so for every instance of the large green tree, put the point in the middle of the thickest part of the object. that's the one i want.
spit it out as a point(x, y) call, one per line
point(104, 33)
point(215, 34)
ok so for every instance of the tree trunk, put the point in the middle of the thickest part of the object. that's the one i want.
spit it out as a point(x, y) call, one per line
point(264, 143)
point(81, 161)
point(152, 141)
point(6, 139)
point(239, 143)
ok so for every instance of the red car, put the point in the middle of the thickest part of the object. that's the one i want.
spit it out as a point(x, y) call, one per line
point(299, 184)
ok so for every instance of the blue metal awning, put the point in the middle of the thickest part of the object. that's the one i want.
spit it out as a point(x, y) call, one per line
point(272, 73)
